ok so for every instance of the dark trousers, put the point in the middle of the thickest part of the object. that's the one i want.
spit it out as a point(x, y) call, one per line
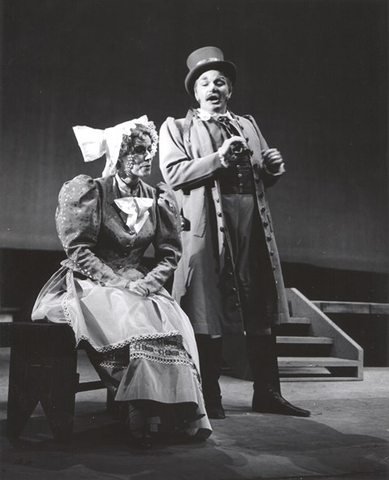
point(262, 357)
point(211, 361)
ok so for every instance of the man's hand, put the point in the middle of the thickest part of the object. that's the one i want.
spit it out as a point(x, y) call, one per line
point(272, 161)
point(227, 151)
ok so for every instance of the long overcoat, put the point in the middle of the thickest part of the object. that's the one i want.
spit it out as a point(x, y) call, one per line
point(205, 281)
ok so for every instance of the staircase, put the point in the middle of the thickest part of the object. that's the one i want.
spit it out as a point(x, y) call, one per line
point(310, 348)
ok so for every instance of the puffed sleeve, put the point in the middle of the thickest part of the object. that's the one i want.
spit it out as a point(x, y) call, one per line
point(167, 243)
point(78, 219)
point(178, 169)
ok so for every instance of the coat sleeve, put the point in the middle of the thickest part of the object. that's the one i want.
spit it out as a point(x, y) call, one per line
point(167, 242)
point(78, 218)
point(179, 170)
point(268, 179)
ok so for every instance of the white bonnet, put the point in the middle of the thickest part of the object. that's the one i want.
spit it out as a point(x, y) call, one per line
point(94, 143)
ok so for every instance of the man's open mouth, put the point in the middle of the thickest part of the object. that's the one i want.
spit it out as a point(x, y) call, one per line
point(213, 97)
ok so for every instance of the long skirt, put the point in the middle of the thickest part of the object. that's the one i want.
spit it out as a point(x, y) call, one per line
point(143, 348)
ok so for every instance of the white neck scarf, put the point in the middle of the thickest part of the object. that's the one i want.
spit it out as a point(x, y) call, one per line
point(136, 210)
point(205, 116)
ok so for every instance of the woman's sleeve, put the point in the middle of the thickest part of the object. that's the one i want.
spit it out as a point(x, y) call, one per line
point(78, 218)
point(178, 170)
point(167, 243)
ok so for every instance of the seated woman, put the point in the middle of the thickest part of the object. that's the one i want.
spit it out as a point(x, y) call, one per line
point(140, 341)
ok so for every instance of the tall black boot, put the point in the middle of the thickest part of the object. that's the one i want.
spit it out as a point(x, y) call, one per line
point(262, 356)
point(210, 353)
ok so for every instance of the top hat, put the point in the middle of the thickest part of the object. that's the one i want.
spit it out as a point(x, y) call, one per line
point(204, 59)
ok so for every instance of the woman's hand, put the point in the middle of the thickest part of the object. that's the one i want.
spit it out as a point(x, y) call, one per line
point(137, 288)
point(132, 274)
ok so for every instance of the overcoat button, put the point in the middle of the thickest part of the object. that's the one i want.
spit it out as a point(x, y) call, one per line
point(271, 252)
point(222, 229)
point(274, 268)
point(260, 194)
point(268, 238)
point(265, 224)
point(219, 214)
point(263, 209)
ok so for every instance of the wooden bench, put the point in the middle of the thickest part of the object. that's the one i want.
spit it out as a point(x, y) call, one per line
point(43, 368)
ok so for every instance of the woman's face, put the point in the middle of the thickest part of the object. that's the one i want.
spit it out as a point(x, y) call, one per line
point(137, 162)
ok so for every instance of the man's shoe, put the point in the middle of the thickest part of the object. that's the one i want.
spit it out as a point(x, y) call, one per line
point(217, 413)
point(273, 402)
point(142, 443)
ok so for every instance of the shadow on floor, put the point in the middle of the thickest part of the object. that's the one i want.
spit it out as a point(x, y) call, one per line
point(244, 446)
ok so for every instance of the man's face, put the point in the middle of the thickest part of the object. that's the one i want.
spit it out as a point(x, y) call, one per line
point(212, 91)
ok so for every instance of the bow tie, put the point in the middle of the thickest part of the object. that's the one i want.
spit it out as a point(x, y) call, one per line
point(227, 123)
point(136, 210)
point(223, 119)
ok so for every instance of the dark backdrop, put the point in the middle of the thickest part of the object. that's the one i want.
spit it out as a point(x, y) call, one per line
point(313, 74)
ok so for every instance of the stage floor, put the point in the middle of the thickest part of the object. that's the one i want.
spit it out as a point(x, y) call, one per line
point(346, 438)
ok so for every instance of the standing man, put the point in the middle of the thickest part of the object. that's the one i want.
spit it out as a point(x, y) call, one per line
point(229, 279)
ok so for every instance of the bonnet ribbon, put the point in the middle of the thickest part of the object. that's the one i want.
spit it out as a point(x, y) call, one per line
point(94, 143)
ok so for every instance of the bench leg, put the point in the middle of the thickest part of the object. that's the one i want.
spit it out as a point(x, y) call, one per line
point(58, 401)
point(38, 374)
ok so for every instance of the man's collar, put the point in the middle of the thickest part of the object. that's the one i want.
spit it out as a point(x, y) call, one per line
point(205, 116)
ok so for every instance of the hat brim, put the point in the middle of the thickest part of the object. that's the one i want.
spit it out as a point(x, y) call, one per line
point(228, 68)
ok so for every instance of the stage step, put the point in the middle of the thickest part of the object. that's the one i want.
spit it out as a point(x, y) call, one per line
point(317, 368)
point(326, 352)
point(303, 346)
point(311, 347)
point(304, 340)
point(299, 321)
point(298, 326)
point(316, 362)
